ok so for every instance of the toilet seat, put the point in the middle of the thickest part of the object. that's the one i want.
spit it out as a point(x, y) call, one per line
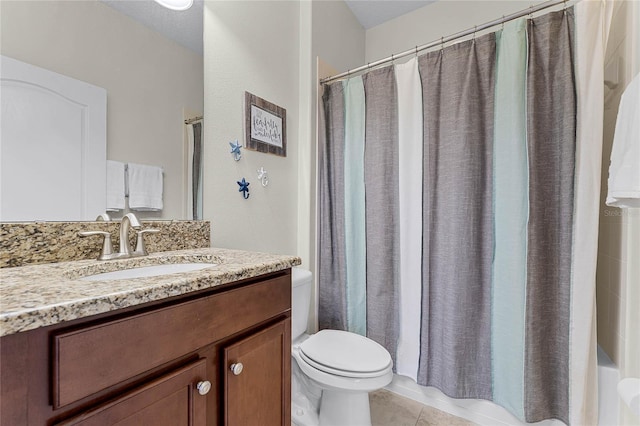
point(336, 383)
point(345, 354)
point(342, 373)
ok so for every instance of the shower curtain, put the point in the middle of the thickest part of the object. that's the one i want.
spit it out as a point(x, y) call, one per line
point(194, 170)
point(458, 203)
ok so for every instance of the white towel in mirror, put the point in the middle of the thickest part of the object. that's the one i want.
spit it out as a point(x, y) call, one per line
point(115, 186)
point(145, 187)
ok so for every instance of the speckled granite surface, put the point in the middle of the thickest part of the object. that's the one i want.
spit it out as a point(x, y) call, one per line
point(47, 242)
point(35, 296)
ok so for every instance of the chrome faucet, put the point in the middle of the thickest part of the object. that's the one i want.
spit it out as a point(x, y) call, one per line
point(103, 217)
point(128, 221)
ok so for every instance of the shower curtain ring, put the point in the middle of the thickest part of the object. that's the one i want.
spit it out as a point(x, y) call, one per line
point(503, 22)
point(392, 59)
point(441, 43)
point(416, 51)
point(475, 28)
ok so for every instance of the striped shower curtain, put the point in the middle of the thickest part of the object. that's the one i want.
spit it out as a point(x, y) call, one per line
point(450, 188)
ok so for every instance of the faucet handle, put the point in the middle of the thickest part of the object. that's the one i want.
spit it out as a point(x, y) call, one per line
point(107, 248)
point(140, 247)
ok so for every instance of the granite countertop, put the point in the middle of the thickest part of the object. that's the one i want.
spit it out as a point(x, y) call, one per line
point(41, 295)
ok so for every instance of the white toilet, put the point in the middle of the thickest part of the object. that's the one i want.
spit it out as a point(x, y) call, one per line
point(332, 371)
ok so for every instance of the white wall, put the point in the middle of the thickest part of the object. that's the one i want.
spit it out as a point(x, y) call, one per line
point(338, 37)
point(434, 21)
point(149, 79)
point(270, 49)
point(250, 46)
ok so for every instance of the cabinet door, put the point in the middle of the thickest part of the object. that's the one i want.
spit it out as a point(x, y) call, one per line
point(169, 400)
point(259, 394)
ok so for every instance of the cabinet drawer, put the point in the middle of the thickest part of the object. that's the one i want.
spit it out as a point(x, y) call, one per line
point(89, 360)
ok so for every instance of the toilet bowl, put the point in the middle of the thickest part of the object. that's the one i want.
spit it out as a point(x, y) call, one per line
point(333, 370)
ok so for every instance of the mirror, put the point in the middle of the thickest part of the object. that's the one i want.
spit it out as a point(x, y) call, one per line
point(153, 82)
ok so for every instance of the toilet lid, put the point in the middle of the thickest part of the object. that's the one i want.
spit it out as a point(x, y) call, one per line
point(345, 354)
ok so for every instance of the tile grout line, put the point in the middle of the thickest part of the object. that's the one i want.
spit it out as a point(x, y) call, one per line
point(419, 415)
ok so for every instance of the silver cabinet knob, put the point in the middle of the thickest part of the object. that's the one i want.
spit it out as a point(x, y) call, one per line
point(236, 368)
point(203, 387)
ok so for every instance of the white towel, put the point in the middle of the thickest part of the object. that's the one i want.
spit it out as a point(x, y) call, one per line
point(145, 187)
point(115, 186)
point(624, 169)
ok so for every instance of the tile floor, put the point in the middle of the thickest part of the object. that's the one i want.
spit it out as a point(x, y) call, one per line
point(390, 409)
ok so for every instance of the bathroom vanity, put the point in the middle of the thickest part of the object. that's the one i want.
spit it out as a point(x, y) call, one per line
point(205, 347)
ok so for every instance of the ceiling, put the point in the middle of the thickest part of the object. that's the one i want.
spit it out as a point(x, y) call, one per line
point(375, 12)
point(185, 27)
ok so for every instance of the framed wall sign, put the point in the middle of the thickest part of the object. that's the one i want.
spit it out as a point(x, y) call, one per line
point(265, 126)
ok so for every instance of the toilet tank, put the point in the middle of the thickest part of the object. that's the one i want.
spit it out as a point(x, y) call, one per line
point(301, 281)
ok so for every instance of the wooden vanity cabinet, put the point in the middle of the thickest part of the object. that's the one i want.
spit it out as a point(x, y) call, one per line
point(165, 363)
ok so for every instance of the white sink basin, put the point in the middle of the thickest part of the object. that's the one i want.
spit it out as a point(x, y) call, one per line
point(148, 271)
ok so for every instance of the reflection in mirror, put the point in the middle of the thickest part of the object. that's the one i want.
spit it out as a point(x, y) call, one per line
point(153, 83)
point(53, 145)
point(194, 167)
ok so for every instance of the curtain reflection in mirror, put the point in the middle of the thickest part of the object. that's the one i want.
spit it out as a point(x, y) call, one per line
point(194, 131)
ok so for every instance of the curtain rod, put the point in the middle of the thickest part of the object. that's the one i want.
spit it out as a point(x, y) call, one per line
point(506, 18)
point(194, 119)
